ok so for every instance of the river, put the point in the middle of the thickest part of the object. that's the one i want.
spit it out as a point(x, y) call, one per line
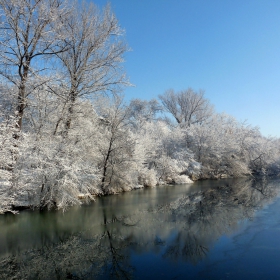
point(213, 229)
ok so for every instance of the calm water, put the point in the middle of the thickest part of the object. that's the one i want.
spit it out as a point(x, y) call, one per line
point(227, 229)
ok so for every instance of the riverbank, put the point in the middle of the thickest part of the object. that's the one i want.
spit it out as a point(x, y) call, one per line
point(211, 227)
point(23, 203)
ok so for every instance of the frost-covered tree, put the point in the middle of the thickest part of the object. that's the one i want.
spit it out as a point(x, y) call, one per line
point(91, 63)
point(27, 34)
point(215, 144)
point(8, 152)
point(226, 147)
point(115, 146)
point(163, 155)
point(54, 171)
point(142, 111)
point(187, 106)
point(258, 151)
point(160, 150)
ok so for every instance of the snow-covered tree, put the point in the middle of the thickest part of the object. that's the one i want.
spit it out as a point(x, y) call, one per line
point(142, 111)
point(187, 106)
point(92, 62)
point(163, 154)
point(27, 34)
point(226, 147)
point(8, 155)
point(54, 171)
point(115, 145)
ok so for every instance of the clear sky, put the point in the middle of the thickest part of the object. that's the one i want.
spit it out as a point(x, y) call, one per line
point(229, 48)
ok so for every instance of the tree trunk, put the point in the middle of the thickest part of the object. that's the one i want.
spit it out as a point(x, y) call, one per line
point(22, 96)
point(105, 164)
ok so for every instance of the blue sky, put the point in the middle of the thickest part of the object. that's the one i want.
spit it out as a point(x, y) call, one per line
point(229, 48)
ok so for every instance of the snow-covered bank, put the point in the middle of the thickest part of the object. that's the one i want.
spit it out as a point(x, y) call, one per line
point(23, 201)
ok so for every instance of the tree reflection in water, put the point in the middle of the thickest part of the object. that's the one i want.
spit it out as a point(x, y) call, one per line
point(183, 230)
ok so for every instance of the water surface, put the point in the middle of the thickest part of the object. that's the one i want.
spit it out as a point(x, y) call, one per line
point(226, 229)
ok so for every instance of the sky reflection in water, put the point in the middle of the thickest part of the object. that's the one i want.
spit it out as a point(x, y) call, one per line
point(227, 229)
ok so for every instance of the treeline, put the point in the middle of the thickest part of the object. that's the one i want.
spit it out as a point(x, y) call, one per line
point(65, 133)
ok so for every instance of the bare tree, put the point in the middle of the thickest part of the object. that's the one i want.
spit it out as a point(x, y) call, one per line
point(27, 33)
point(187, 106)
point(92, 62)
